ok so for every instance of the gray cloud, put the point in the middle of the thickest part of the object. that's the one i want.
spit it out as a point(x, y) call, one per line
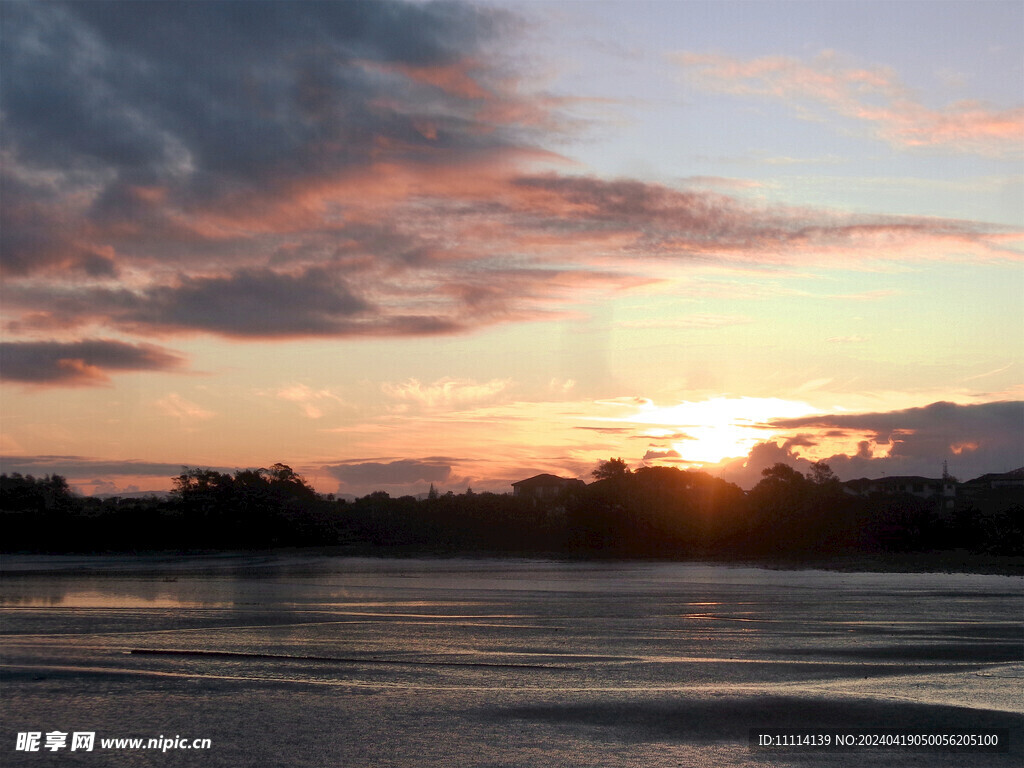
point(80, 362)
point(746, 471)
point(312, 301)
point(671, 222)
point(972, 439)
point(948, 417)
point(285, 169)
point(249, 303)
point(665, 455)
point(377, 475)
point(218, 91)
point(207, 102)
point(85, 469)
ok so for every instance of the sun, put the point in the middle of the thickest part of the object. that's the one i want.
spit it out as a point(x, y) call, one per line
point(709, 431)
point(710, 445)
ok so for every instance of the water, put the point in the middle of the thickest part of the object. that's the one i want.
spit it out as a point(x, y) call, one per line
point(319, 661)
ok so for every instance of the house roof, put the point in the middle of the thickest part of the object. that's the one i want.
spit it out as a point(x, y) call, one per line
point(905, 479)
point(542, 480)
point(1014, 474)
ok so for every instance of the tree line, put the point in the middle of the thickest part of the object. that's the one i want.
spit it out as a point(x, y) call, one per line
point(656, 512)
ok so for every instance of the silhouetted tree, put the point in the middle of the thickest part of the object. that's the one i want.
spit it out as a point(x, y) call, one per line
point(652, 512)
point(821, 475)
point(608, 470)
point(25, 492)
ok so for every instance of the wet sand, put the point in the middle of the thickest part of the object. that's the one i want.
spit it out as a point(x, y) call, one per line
point(309, 661)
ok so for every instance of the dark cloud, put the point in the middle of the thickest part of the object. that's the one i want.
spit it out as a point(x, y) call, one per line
point(746, 471)
point(220, 92)
point(672, 222)
point(315, 301)
point(80, 362)
point(376, 475)
point(237, 158)
point(666, 455)
point(85, 469)
point(250, 303)
point(283, 169)
point(801, 441)
point(949, 418)
point(971, 439)
point(204, 103)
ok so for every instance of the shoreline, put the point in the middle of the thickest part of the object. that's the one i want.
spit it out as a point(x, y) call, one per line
point(71, 563)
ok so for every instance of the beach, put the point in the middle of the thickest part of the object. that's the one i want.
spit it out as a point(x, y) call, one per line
point(300, 660)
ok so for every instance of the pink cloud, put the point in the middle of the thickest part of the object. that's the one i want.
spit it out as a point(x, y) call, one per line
point(452, 258)
point(453, 78)
point(875, 96)
point(447, 392)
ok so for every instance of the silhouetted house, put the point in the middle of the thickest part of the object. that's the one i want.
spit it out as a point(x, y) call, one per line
point(943, 489)
point(994, 480)
point(541, 487)
point(994, 492)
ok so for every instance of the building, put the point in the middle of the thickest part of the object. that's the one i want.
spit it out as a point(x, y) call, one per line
point(996, 480)
point(994, 492)
point(545, 486)
point(942, 489)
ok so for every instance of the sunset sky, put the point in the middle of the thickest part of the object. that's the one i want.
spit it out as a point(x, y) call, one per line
point(398, 243)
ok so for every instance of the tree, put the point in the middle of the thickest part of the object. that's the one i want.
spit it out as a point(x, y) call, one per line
point(779, 507)
point(19, 492)
point(202, 484)
point(821, 474)
point(608, 470)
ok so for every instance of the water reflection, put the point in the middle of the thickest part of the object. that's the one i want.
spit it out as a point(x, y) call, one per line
point(423, 664)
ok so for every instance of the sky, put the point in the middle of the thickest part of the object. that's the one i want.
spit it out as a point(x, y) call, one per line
point(396, 244)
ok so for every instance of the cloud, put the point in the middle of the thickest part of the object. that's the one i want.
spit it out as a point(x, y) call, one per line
point(972, 439)
point(114, 125)
point(720, 183)
point(263, 303)
point(746, 471)
point(561, 386)
point(178, 407)
point(632, 222)
point(308, 399)
point(86, 469)
point(79, 363)
point(668, 455)
point(278, 91)
point(372, 475)
point(874, 96)
point(446, 392)
point(247, 303)
point(89, 476)
point(340, 170)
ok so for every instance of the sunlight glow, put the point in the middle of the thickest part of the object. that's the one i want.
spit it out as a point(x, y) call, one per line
point(721, 427)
